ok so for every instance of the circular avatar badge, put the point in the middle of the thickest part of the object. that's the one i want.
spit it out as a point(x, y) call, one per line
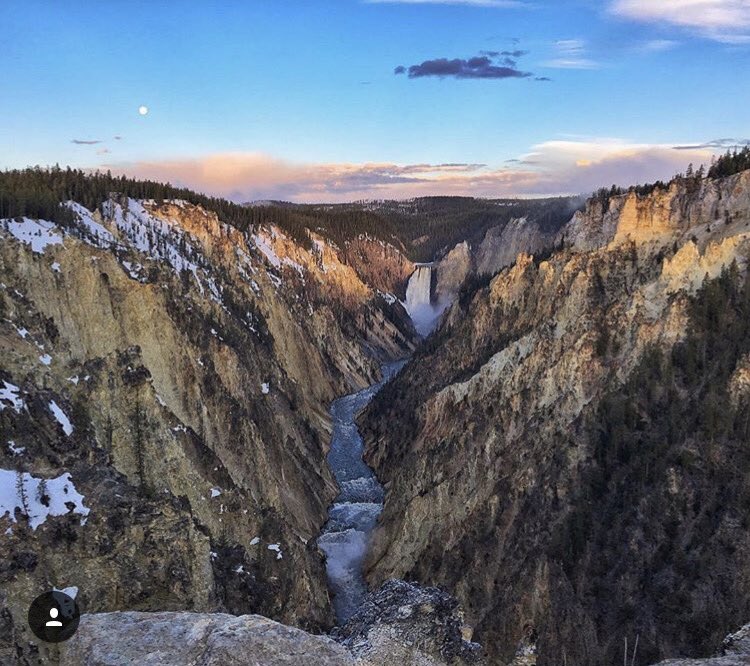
point(54, 617)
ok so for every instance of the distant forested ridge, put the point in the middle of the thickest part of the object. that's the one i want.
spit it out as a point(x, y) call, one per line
point(421, 228)
point(427, 227)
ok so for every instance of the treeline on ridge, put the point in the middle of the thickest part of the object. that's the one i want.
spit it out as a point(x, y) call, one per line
point(421, 228)
point(730, 163)
point(38, 193)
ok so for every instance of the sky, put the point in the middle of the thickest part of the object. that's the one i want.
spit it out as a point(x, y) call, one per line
point(341, 100)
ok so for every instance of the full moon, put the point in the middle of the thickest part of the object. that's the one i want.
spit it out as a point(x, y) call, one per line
point(143, 110)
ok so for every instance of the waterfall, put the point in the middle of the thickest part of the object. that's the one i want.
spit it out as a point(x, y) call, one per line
point(418, 291)
point(419, 299)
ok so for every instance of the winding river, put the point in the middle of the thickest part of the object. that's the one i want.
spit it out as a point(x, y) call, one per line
point(355, 511)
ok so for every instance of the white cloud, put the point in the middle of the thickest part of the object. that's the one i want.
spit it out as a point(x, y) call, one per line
point(571, 54)
point(658, 45)
point(722, 20)
point(585, 165)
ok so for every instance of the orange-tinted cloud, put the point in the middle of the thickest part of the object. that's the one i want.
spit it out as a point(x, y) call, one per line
point(551, 168)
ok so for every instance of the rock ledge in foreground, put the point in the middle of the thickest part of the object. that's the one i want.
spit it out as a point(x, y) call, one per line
point(209, 639)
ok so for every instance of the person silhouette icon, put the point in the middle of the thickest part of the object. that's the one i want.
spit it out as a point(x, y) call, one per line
point(54, 616)
point(53, 612)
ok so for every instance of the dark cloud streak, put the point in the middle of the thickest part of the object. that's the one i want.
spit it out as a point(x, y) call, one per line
point(84, 142)
point(720, 144)
point(508, 54)
point(478, 67)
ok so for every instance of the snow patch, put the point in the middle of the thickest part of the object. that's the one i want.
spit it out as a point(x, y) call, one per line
point(71, 591)
point(22, 491)
point(37, 233)
point(45, 359)
point(61, 416)
point(264, 245)
point(134, 271)
point(277, 548)
point(91, 231)
point(215, 492)
point(388, 297)
point(265, 388)
point(9, 393)
point(261, 242)
point(15, 450)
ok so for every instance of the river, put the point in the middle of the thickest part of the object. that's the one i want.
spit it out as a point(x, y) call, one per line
point(353, 515)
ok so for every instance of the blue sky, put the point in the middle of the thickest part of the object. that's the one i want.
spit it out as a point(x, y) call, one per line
point(299, 100)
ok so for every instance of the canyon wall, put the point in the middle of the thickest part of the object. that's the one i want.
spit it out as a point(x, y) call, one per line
point(501, 245)
point(568, 452)
point(164, 392)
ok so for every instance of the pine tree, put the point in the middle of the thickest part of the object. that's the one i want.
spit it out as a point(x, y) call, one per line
point(21, 492)
point(42, 494)
point(138, 444)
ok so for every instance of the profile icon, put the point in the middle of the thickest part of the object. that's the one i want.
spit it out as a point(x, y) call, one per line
point(53, 613)
point(54, 617)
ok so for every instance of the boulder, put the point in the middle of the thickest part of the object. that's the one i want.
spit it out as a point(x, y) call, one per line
point(180, 638)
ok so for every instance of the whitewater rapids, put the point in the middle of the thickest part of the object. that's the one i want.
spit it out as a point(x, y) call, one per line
point(355, 511)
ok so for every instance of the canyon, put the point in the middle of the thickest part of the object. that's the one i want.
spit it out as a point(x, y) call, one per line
point(191, 367)
point(185, 403)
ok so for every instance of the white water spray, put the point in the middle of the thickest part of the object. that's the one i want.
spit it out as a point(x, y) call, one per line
point(419, 300)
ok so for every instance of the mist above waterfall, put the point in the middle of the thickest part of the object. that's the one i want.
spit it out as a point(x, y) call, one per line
point(418, 303)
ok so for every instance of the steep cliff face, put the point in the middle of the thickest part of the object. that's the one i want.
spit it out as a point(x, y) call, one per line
point(451, 272)
point(501, 245)
point(380, 264)
point(178, 372)
point(704, 208)
point(563, 454)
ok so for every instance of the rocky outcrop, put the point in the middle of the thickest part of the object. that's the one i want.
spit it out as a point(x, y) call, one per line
point(704, 209)
point(379, 264)
point(451, 272)
point(399, 624)
point(735, 651)
point(407, 624)
point(179, 372)
point(555, 465)
point(175, 639)
point(502, 245)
